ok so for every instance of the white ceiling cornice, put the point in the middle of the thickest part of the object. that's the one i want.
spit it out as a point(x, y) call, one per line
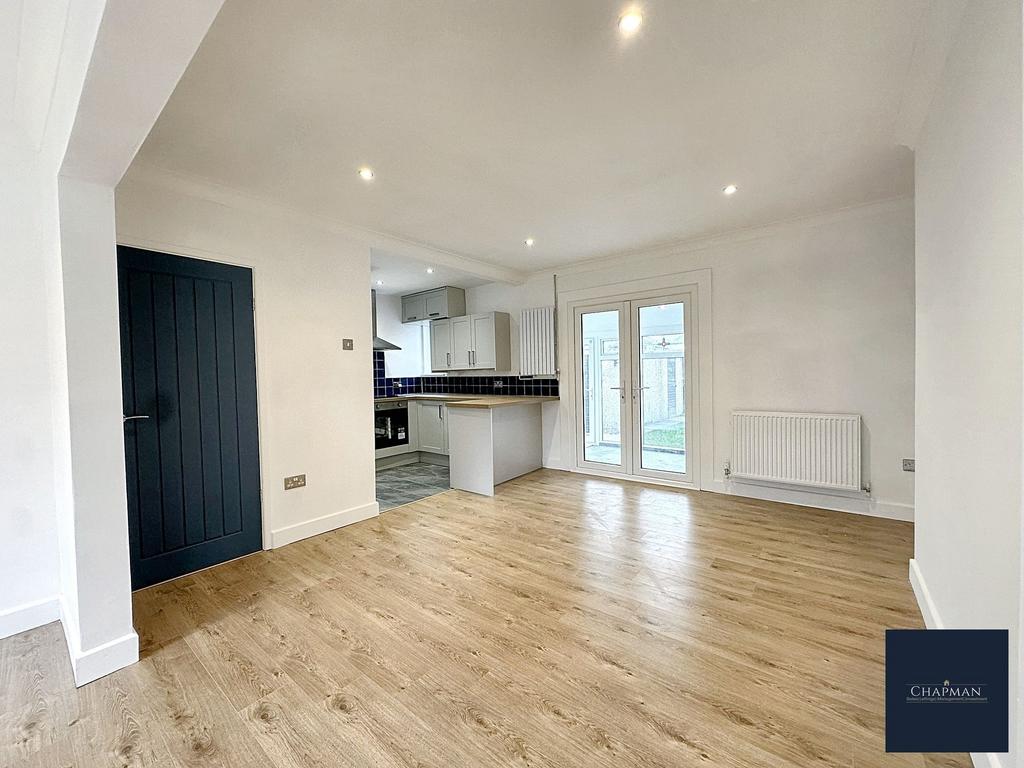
point(203, 189)
point(939, 24)
point(735, 236)
point(206, 190)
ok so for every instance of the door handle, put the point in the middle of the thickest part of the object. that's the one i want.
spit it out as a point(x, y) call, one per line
point(125, 419)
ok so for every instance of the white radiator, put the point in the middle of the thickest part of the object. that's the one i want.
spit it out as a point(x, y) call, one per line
point(537, 342)
point(816, 449)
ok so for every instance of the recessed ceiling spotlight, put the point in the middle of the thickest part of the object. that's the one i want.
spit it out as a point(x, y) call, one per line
point(529, 242)
point(366, 174)
point(630, 22)
point(430, 270)
point(730, 189)
point(380, 282)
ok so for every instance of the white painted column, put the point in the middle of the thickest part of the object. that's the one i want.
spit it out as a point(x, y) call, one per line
point(97, 607)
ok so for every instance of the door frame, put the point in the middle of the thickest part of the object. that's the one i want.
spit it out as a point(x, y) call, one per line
point(176, 249)
point(698, 282)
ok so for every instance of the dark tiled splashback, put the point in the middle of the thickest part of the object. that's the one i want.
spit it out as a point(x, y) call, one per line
point(384, 386)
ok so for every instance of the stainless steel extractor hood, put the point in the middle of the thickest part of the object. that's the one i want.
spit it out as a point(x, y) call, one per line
point(378, 342)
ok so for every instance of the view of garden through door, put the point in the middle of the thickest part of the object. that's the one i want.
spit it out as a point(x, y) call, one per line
point(633, 407)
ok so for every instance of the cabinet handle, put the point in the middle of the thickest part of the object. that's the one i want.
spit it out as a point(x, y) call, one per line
point(440, 415)
point(434, 314)
point(448, 357)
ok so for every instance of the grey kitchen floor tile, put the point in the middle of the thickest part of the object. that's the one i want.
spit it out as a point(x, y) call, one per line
point(410, 482)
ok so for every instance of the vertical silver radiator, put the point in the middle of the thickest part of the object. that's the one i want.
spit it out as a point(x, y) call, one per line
point(537, 342)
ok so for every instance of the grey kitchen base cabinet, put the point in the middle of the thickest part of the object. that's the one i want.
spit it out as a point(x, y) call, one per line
point(479, 342)
point(432, 424)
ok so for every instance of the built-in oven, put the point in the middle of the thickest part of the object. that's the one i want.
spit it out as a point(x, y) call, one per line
point(390, 424)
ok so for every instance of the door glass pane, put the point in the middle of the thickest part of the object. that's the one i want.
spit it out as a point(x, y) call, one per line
point(662, 393)
point(602, 405)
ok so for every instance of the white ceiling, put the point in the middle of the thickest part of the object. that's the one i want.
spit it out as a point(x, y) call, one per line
point(403, 274)
point(491, 121)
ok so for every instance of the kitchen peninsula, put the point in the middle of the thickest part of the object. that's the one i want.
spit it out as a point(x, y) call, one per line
point(493, 439)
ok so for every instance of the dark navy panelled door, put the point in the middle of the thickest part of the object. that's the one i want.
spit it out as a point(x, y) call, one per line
point(191, 445)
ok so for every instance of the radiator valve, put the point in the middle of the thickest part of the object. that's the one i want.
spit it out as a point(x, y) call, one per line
point(727, 470)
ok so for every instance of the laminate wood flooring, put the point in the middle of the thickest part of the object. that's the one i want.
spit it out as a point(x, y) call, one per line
point(567, 621)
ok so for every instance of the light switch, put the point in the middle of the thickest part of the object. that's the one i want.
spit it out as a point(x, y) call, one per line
point(295, 481)
point(347, 344)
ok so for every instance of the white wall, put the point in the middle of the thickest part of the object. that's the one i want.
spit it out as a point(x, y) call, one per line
point(315, 400)
point(538, 291)
point(814, 315)
point(407, 361)
point(50, 45)
point(28, 547)
point(968, 161)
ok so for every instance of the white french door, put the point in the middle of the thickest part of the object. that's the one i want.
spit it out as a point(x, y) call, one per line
point(634, 364)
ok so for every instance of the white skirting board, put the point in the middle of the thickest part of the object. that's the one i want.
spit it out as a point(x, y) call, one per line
point(316, 526)
point(855, 504)
point(987, 760)
point(929, 612)
point(104, 659)
point(22, 618)
point(87, 665)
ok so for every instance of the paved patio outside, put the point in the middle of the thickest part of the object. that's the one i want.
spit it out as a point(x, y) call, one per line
point(663, 461)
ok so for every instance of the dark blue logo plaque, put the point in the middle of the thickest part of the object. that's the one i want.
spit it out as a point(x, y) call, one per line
point(946, 690)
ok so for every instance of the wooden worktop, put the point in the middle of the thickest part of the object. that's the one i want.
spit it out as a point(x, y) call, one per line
point(499, 401)
point(471, 401)
point(421, 396)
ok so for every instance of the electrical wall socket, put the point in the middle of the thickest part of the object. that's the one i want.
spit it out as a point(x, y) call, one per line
point(295, 481)
point(908, 465)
